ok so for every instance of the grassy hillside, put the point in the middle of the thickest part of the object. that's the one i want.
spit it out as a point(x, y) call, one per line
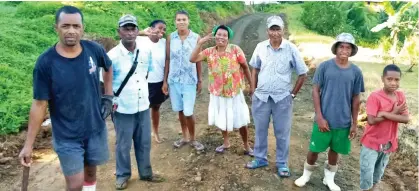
point(28, 30)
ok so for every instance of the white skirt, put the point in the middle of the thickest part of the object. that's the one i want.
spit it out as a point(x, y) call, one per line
point(228, 113)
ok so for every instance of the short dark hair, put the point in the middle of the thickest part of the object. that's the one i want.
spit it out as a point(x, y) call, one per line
point(391, 67)
point(155, 22)
point(182, 12)
point(68, 10)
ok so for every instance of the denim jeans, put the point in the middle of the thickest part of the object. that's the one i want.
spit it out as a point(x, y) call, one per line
point(373, 164)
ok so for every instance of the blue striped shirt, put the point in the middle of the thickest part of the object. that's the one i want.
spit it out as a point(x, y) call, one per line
point(276, 66)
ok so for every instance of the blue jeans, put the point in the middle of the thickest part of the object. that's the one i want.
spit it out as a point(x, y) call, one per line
point(373, 164)
point(282, 118)
point(73, 155)
point(129, 128)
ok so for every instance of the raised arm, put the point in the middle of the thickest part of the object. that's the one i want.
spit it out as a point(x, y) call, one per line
point(197, 55)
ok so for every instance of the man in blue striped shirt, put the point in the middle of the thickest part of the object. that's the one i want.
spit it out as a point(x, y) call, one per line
point(273, 62)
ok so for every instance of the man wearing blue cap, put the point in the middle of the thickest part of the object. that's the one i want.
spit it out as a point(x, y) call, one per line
point(273, 62)
point(131, 107)
point(337, 84)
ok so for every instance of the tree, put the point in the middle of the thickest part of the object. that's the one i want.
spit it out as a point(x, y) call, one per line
point(402, 19)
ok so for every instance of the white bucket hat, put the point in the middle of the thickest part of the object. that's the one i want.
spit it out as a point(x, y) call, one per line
point(345, 38)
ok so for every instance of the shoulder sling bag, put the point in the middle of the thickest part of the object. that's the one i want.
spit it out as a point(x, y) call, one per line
point(131, 71)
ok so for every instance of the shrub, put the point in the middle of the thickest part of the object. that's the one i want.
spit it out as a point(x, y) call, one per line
point(323, 17)
point(332, 18)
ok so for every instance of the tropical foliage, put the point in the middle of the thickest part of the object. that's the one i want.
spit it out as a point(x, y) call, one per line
point(402, 21)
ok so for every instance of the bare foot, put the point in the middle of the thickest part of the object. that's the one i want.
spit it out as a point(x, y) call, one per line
point(158, 139)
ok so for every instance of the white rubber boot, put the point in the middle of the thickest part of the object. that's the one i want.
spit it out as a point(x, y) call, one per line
point(308, 170)
point(91, 187)
point(329, 177)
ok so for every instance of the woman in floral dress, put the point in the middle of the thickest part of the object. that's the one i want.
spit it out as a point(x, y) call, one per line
point(227, 67)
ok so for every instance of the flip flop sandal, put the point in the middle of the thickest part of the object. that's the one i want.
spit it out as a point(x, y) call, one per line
point(197, 145)
point(249, 152)
point(284, 172)
point(179, 143)
point(221, 149)
point(121, 184)
point(257, 163)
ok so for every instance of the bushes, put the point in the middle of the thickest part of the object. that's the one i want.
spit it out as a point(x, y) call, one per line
point(332, 18)
point(323, 17)
point(28, 30)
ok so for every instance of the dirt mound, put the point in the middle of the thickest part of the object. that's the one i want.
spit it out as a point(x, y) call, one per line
point(10, 146)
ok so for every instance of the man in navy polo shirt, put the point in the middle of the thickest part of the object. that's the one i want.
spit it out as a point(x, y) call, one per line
point(66, 77)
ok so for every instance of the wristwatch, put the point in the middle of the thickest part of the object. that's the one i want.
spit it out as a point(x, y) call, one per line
point(293, 96)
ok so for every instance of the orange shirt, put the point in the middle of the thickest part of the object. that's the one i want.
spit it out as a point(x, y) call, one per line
point(385, 131)
point(224, 71)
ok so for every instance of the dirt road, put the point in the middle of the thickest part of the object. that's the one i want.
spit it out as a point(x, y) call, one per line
point(185, 169)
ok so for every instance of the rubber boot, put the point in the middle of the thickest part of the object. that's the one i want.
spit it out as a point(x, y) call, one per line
point(89, 186)
point(308, 170)
point(329, 177)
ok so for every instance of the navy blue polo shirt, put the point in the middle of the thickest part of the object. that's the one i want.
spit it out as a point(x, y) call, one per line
point(71, 86)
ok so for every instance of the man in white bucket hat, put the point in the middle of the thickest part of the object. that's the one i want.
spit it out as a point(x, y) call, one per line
point(337, 84)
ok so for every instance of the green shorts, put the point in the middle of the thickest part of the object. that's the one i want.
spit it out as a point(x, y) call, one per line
point(336, 139)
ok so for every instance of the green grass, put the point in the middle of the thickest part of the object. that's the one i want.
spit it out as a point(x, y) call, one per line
point(27, 29)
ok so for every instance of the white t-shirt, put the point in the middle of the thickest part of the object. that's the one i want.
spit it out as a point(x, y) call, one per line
point(158, 54)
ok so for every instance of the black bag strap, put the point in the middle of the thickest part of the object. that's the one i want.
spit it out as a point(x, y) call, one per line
point(131, 71)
